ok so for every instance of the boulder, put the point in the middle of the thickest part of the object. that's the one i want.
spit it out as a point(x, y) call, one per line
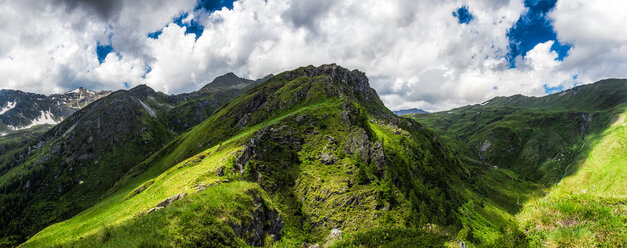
point(334, 236)
point(170, 200)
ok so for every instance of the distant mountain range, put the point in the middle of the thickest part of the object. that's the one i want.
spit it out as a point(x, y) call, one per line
point(409, 111)
point(22, 110)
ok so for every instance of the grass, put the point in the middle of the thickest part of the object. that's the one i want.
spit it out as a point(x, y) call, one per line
point(180, 177)
point(548, 177)
point(115, 210)
point(394, 237)
point(588, 207)
point(201, 219)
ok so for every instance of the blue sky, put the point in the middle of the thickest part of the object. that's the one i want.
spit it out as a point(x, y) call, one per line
point(462, 14)
point(191, 26)
point(532, 28)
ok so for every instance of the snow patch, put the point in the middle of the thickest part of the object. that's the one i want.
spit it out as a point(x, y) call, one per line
point(148, 109)
point(44, 118)
point(3, 134)
point(486, 102)
point(10, 105)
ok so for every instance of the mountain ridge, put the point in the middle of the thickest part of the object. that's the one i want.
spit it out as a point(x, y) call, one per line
point(304, 135)
point(22, 110)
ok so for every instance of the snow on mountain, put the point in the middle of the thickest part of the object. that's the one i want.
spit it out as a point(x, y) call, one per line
point(9, 106)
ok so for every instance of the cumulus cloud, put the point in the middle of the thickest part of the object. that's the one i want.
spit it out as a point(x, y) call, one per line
point(105, 9)
point(599, 34)
point(416, 53)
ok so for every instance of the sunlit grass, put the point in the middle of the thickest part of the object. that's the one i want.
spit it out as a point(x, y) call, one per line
point(588, 207)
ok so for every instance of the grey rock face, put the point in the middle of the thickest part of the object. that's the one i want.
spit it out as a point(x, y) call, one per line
point(171, 199)
point(377, 156)
point(265, 221)
point(20, 110)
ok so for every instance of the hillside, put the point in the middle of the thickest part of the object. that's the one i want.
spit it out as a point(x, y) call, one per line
point(304, 152)
point(571, 142)
point(535, 137)
point(192, 108)
point(68, 168)
point(48, 177)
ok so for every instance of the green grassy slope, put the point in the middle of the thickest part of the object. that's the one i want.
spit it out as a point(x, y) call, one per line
point(564, 155)
point(588, 207)
point(53, 176)
point(314, 145)
point(67, 169)
point(535, 137)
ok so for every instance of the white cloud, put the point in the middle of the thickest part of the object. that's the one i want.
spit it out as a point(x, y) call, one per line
point(415, 52)
point(49, 47)
point(598, 33)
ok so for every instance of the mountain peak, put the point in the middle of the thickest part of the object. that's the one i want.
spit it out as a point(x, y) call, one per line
point(142, 91)
point(226, 81)
point(79, 90)
point(355, 79)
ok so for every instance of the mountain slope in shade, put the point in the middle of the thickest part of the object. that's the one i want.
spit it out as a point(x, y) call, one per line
point(68, 168)
point(537, 137)
point(192, 108)
point(21, 110)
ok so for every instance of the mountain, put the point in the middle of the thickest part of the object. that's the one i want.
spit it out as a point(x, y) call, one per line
point(537, 137)
point(69, 167)
point(312, 158)
point(303, 154)
point(52, 176)
point(193, 108)
point(410, 111)
point(571, 143)
point(21, 110)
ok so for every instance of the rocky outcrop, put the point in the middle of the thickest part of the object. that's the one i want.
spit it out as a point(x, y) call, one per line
point(166, 202)
point(265, 221)
point(334, 236)
point(257, 148)
point(355, 79)
point(377, 156)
